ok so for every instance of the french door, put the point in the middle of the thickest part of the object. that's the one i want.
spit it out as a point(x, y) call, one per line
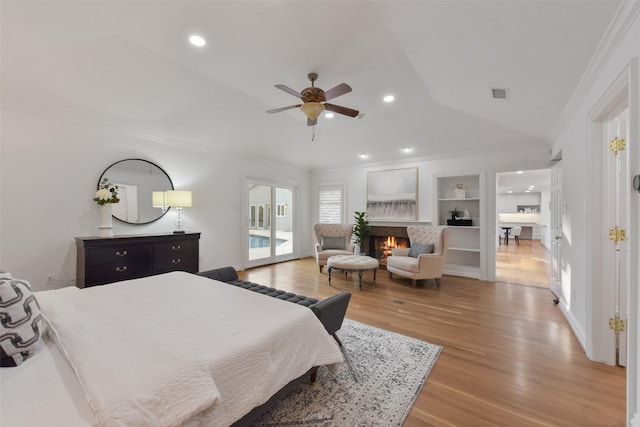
point(270, 223)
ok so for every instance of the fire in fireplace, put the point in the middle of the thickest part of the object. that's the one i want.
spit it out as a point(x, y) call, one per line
point(382, 239)
point(382, 246)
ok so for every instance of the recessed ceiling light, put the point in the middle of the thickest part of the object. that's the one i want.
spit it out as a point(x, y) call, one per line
point(407, 149)
point(363, 155)
point(527, 191)
point(197, 40)
point(329, 115)
point(520, 172)
point(509, 191)
point(531, 187)
point(389, 98)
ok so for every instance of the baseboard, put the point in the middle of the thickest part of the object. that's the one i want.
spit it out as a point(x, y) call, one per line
point(573, 324)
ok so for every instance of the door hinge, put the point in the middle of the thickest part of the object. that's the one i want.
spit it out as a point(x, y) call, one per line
point(617, 324)
point(617, 144)
point(617, 234)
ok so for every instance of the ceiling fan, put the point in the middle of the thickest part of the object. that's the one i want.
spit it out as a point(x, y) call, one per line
point(314, 100)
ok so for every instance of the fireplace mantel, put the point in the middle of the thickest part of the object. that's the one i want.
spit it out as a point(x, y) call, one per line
point(397, 223)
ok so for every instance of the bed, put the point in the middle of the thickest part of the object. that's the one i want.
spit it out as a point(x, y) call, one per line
point(174, 349)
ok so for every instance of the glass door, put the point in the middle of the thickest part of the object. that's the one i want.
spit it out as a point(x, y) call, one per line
point(271, 223)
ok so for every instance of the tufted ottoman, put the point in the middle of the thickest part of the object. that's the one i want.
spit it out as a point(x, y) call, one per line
point(351, 263)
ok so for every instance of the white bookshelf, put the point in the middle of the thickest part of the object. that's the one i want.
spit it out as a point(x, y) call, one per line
point(464, 254)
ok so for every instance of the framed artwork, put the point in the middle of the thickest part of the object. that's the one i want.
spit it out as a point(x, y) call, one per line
point(393, 195)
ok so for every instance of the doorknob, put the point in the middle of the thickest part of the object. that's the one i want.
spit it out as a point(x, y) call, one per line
point(558, 237)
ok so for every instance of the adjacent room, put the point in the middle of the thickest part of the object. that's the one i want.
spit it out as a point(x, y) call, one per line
point(524, 216)
point(319, 212)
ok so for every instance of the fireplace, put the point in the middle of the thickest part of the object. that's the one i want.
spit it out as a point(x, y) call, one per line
point(382, 239)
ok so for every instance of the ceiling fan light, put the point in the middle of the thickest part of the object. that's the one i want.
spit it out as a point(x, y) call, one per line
point(312, 109)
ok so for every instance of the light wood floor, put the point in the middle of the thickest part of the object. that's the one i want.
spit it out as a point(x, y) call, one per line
point(509, 357)
point(528, 263)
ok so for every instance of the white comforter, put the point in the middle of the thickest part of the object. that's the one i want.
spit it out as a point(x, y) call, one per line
point(160, 350)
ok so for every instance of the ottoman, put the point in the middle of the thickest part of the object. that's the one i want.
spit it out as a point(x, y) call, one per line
point(351, 263)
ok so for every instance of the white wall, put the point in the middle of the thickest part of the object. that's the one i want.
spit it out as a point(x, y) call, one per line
point(572, 141)
point(49, 169)
point(355, 177)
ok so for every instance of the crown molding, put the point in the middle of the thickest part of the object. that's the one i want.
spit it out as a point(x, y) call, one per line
point(617, 30)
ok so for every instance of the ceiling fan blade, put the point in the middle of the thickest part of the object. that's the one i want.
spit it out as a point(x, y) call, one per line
point(277, 110)
point(312, 122)
point(341, 110)
point(341, 89)
point(289, 90)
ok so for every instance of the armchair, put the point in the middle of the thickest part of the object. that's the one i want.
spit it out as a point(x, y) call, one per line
point(332, 239)
point(418, 262)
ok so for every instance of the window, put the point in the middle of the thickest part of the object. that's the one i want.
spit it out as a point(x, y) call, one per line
point(330, 202)
point(252, 216)
point(281, 210)
point(268, 219)
point(260, 216)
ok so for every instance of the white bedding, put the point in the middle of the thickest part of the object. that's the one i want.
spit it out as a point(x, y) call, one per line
point(143, 356)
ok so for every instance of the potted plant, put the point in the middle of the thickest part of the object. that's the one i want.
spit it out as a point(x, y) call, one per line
point(360, 229)
point(455, 213)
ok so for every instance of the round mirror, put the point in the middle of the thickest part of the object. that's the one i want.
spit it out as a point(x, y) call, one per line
point(137, 179)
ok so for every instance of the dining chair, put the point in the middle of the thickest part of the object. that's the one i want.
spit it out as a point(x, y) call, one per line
point(515, 233)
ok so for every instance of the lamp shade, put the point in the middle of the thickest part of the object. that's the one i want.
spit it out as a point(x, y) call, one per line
point(158, 199)
point(312, 109)
point(179, 198)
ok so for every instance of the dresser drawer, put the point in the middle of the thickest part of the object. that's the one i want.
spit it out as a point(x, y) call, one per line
point(118, 254)
point(176, 263)
point(177, 248)
point(180, 255)
point(100, 274)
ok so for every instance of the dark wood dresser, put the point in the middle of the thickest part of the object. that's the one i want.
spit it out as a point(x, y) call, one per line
point(105, 260)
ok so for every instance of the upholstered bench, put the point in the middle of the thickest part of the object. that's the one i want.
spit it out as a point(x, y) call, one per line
point(330, 311)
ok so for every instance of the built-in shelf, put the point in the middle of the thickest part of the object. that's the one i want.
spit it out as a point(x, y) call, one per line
point(463, 247)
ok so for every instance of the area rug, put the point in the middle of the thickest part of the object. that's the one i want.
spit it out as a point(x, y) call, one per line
point(377, 385)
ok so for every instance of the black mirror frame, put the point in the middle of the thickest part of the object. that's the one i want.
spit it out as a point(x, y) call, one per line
point(152, 164)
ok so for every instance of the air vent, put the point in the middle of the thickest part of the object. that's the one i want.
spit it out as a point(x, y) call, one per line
point(500, 93)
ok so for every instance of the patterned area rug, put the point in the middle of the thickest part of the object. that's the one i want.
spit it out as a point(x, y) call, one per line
point(382, 376)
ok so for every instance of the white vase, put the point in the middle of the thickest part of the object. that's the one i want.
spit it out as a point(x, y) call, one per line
point(105, 229)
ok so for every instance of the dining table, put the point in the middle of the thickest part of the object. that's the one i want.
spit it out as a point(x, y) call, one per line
point(506, 230)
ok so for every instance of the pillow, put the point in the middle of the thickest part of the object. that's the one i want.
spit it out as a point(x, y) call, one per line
point(420, 248)
point(20, 321)
point(332, 242)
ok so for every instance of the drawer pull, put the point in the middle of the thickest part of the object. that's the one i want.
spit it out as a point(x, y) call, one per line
point(121, 269)
point(123, 253)
point(175, 261)
point(176, 248)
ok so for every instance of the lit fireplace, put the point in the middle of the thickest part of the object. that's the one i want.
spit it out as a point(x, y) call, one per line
point(382, 239)
point(385, 246)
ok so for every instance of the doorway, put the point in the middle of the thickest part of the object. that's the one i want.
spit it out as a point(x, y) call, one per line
point(523, 253)
point(271, 223)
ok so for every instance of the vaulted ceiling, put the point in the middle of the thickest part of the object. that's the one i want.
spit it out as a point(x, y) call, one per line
point(128, 65)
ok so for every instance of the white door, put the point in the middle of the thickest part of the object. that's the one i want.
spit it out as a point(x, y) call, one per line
point(616, 265)
point(556, 234)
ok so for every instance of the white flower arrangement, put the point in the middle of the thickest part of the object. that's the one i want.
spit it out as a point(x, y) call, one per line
point(107, 193)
